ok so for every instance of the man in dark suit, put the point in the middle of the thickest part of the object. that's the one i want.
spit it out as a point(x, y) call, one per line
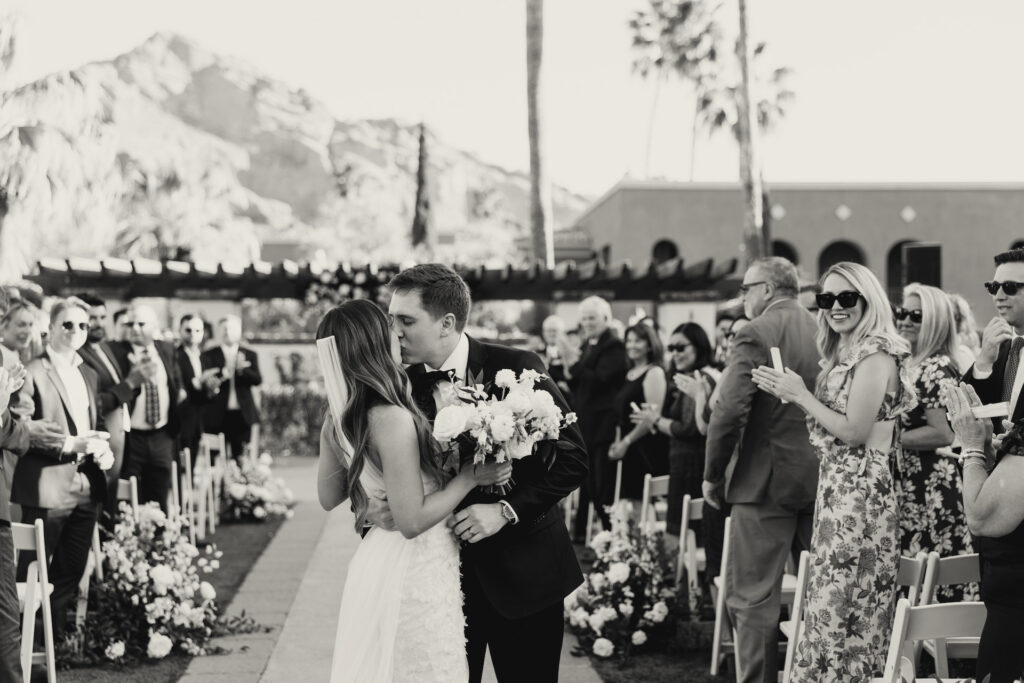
point(156, 391)
point(62, 484)
point(773, 485)
point(595, 378)
point(517, 560)
point(232, 410)
point(114, 392)
point(200, 380)
point(996, 374)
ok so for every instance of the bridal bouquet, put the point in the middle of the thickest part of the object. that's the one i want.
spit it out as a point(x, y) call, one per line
point(504, 427)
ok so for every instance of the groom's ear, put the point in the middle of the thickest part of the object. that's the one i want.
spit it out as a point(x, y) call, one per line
point(448, 324)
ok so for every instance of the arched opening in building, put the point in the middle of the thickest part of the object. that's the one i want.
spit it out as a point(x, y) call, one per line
point(894, 270)
point(785, 250)
point(841, 250)
point(664, 250)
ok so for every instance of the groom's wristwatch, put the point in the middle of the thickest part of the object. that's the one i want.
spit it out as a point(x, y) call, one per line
point(508, 513)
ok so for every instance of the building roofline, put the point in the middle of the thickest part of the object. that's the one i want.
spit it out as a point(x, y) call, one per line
point(810, 185)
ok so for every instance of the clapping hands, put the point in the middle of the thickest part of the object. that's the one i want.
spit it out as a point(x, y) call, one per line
point(11, 380)
point(787, 386)
point(647, 415)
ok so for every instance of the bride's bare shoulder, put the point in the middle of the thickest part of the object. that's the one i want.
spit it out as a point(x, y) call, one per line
point(388, 421)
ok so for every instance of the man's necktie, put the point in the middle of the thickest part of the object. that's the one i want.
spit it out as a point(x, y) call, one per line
point(152, 398)
point(1012, 364)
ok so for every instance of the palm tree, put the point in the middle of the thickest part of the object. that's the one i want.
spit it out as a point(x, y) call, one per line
point(675, 36)
point(541, 214)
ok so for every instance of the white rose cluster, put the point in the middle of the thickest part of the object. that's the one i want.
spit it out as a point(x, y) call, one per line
point(253, 492)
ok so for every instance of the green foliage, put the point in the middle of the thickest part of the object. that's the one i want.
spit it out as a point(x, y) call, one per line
point(291, 418)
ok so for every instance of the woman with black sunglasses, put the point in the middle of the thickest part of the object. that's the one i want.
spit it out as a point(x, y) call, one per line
point(853, 418)
point(929, 484)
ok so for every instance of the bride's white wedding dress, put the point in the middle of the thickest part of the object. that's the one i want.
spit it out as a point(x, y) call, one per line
point(401, 614)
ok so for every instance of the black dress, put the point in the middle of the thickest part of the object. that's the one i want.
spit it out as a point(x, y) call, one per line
point(686, 447)
point(1002, 590)
point(649, 454)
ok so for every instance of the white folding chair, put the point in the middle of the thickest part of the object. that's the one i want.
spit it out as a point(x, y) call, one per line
point(254, 444)
point(217, 465)
point(33, 595)
point(720, 647)
point(691, 556)
point(949, 571)
point(927, 622)
point(174, 495)
point(128, 489)
point(654, 487)
point(571, 502)
point(187, 493)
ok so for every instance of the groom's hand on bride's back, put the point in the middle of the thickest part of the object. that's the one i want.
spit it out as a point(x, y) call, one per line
point(378, 514)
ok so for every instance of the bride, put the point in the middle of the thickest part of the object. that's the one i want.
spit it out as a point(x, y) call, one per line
point(401, 613)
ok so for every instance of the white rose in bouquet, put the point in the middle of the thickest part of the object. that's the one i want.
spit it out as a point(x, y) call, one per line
point(237, 491)
point(207, 591)
point(639, 638)
point(159, 646)
point(518, 402)
point(505, 378)
point(115, 650)
point(259, 512)
point(597, 581)
point(503, 426)
point(451, 421)
point(618, 572)
point(603, 647)
point(626, 609)
point(162, 578)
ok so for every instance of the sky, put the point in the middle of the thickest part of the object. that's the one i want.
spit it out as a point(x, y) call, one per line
point(906, 91)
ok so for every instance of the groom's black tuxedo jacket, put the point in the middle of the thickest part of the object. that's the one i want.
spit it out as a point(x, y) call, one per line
point(531, 565)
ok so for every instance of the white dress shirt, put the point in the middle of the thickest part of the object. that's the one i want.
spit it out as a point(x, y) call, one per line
point(193, 356)
point(78, 395)
point(231, 354)
point(163, 392)
point(458, 360)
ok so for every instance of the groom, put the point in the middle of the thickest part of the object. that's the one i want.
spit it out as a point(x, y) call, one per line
point(517, 560)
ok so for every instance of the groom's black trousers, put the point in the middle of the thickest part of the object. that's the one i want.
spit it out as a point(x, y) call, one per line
point(522, 650)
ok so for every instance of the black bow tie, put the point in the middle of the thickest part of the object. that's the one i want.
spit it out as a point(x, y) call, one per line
point(431, 378)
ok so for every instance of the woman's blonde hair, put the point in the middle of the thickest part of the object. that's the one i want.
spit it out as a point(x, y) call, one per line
point(938, 325)
point(876, 322)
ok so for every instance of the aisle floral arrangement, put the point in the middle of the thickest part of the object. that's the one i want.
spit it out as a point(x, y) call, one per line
point(152, 598)
point(625, 602)
point(253, 493)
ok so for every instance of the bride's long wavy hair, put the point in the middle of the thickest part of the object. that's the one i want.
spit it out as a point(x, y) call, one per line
point(363, 336)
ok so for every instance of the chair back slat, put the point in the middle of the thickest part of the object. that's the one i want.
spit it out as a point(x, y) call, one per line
point(24, 536)
point(653, 487)
point(958, 569)
point(910, 575)
point(946, 620)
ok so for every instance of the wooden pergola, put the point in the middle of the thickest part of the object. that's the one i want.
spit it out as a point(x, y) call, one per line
point(121, 279)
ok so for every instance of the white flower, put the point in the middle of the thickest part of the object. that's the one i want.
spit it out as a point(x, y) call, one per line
point(504, 378)
point(626, 609)
point(162, 578)
point(618, 572)
point(451, 421)
point(159, 646)
point(207, 591)
point(578, 617)
point(114, 650)
point(520, 448)
point(237, 491)
point(597, 581)
point(639, 637)
point(601, 541)
point(502, 427)
point(603, 647)
point(259, 513)
point(659, 612)
point(265, 459)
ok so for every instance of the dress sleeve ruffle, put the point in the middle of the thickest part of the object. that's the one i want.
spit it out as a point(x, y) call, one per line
point(897, 347)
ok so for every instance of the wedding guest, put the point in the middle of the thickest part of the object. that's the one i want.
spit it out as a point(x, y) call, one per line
point(120, 331)
point(722, 327)
point(853, 413)
point(995, 374)
point(772, 485)
point(929, 484)
point(150, 371)
point(994, 503)
point(18, 327)
point(641, 451)
point(63, 484)
point(691, 377)
point(968, 339)
point(558, 352)
point(114, 394)
point(232, 410)
point(595, 379)
point(201, 381)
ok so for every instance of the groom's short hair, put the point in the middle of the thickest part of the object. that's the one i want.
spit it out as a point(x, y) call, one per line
point(441, 290)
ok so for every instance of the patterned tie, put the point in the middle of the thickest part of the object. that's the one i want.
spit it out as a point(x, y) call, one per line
point(1012, 363)
point(152, 399)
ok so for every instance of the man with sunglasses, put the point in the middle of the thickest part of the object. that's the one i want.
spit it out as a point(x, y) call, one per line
point(773, 484)
point(996, 374)
point(156, 391)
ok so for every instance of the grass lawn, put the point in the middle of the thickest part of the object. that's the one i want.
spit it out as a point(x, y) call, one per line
point(242, 544)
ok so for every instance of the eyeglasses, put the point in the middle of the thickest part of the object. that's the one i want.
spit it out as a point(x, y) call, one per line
point(133, 324)
point(730, 334)
point(68, 325)
point(846, 299)
point(1010, 287)
point(745, 288)
point(915, 315)
point(672, 348)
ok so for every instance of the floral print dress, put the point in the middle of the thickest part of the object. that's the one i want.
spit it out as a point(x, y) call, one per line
point(930, 486)
point(856, 543)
